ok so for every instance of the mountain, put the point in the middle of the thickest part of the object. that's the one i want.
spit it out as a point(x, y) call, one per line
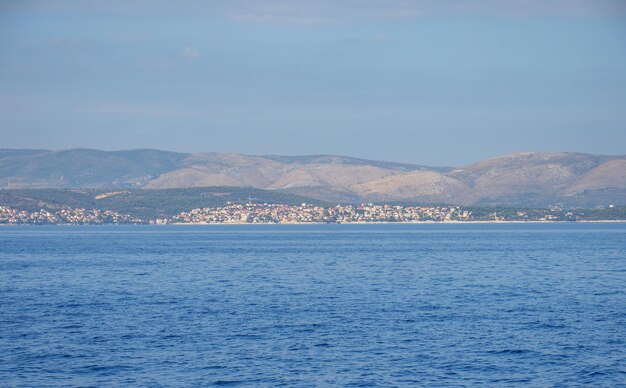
point(521, 179)
point(546, 178)
point(84, 167)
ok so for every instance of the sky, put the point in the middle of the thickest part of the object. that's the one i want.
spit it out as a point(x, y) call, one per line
point(434, 82)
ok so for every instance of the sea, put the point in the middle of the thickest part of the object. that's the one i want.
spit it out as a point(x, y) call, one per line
point(313, 305)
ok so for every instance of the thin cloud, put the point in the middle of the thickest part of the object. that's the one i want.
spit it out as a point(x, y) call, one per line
point(191, 53)
point(282, 19)
point(142, 111)
point(323, 12)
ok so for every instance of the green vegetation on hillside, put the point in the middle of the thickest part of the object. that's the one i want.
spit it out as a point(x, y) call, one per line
point(143, 203)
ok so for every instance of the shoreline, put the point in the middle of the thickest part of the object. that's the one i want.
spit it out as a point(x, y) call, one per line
point(397, 223)
point(335, 223)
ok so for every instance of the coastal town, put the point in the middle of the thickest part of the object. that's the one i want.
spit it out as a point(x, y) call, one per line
point(305, 213)
point(245, 214)
point(254, 213)
point(65, 216)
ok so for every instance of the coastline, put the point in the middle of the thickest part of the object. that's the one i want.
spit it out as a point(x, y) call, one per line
point(397, 223)
point(332, 223)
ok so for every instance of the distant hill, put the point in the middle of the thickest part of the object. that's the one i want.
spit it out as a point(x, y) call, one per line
point(84, 168)
point(522, 179)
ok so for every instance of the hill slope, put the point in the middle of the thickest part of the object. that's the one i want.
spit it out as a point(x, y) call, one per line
point(84, 167)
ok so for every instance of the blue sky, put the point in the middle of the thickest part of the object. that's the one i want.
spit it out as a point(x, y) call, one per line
point(433, 82)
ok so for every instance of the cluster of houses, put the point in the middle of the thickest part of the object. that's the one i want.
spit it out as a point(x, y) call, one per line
point(305, 213)
point(265, 213)
point(65, 216)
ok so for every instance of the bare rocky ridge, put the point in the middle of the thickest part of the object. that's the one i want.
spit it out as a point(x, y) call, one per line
point(422, 186)
point(517, 179)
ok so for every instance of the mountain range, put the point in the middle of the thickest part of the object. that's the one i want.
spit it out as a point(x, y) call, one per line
point(520, 179)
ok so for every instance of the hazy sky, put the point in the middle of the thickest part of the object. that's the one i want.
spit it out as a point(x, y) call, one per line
point(437, 82)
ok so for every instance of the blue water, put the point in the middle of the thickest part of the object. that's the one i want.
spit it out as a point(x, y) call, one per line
point(318, 305)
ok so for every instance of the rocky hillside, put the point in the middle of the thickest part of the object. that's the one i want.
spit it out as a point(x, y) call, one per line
point(522, 179)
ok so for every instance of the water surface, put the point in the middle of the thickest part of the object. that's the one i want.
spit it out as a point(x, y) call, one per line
point(350, 305)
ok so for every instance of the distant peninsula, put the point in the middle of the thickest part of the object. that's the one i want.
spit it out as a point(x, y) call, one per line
point(234, 205)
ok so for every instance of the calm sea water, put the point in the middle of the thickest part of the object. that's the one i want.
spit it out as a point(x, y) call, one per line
point(317, 305)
